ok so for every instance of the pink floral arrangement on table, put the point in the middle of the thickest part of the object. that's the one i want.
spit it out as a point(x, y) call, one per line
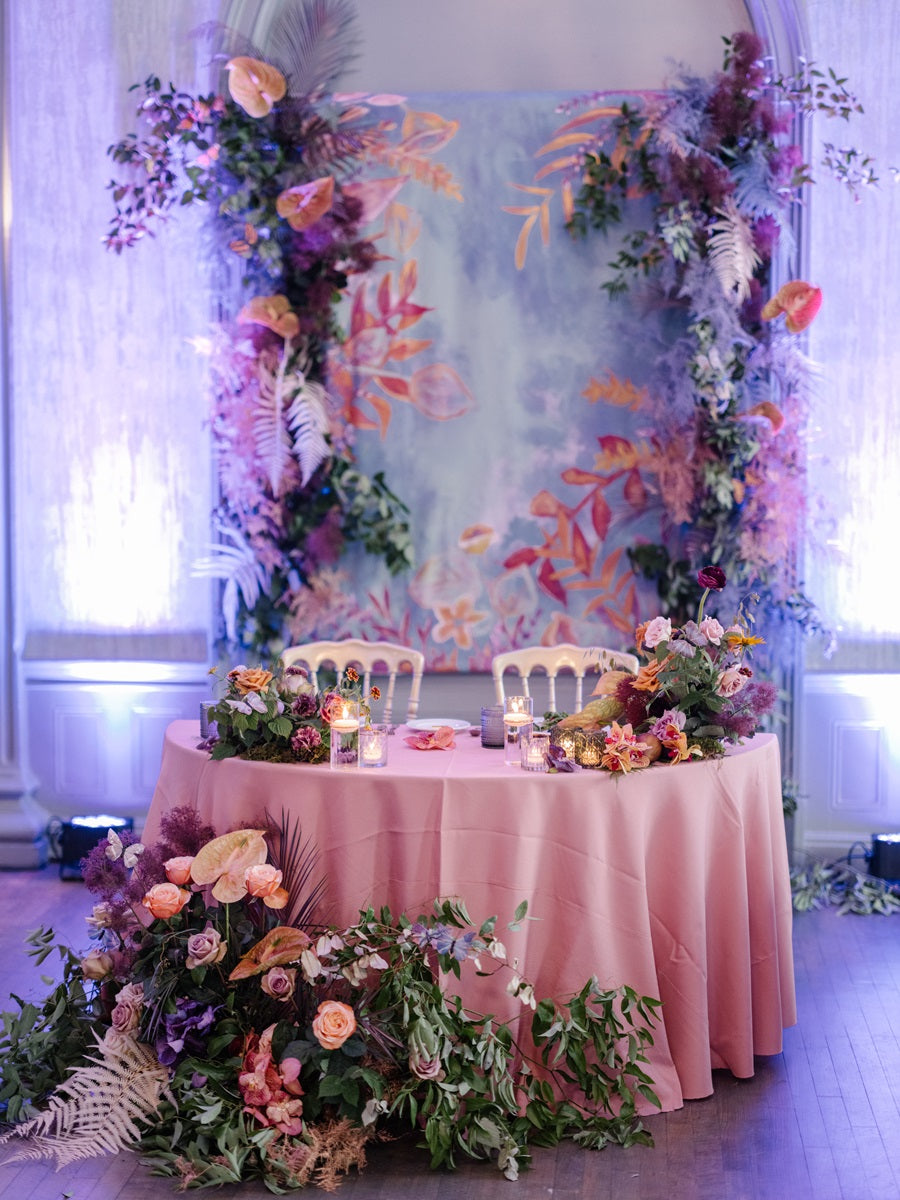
point(694, 693)
point(227, 1034)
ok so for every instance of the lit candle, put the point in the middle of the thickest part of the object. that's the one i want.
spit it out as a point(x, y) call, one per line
point(517, 718)
point(373, 747)
point(347, 722)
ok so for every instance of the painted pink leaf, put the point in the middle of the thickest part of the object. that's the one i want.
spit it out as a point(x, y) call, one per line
point(439, 392)
point(550, 584)
point(545, 504)
point(521, 558)
point(601, 514)
point(635, 492)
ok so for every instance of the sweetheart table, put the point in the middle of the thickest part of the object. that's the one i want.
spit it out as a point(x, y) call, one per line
point(672, 880)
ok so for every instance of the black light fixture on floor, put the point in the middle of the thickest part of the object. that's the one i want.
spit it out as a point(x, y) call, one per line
point(78, 836)
point(885, 858)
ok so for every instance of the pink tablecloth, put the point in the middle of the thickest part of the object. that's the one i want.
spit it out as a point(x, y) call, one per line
point(673, 880)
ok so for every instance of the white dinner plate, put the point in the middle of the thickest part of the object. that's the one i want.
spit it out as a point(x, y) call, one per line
point(432, 723)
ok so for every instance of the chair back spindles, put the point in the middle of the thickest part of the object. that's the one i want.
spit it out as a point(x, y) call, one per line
point(552, 660)
point(365, 656)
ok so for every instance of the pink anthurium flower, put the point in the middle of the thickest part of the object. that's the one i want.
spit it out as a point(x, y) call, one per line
point(798, 301)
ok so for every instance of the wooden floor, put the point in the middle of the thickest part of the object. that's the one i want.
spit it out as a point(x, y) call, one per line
point(819, 1122)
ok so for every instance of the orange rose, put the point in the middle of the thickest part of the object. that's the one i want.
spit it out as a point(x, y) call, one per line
point(164, 900)
point(646, 679)
point(178, 870)
point(252, 679)
point(333, 1024)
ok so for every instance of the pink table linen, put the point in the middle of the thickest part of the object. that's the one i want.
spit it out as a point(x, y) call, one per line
point(673, 880)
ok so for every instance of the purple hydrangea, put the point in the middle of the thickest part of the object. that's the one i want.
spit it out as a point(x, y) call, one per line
point(306, 738)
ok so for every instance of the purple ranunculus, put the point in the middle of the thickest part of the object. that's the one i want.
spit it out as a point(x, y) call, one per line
point(712, 578)
point(186, 1030)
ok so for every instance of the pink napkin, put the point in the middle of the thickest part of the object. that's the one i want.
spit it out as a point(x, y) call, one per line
point(438, 739)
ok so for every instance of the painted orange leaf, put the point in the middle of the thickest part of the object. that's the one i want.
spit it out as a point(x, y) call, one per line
point(635, 492)
point(409, 277)
point(548, 581)
point(545, 504)
point(585, 118)
point(439, 392)
point(582, 555)
point(610, 566)
point(522, 241)
point(374, 195)
point(521, 558)
point(620, 392)
point(403, 348)
point(426, 132)
point(281, 945)
point(576, 476)
point(601, 514)
point(394, 385)
point(558, 164)
point(565, 139)
point(224, 862)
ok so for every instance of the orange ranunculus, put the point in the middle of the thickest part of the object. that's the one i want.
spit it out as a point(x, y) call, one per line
point(333, 1024)
point(252, 679)
point(255, 85)
point(302, 206)
point(178, 870)
point(274, 312)
point(164, 900)
point(798, 301)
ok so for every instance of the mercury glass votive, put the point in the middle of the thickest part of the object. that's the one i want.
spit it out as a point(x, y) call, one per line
point(373, 745)
point(534, 748)
point(345, 736)
point(518, 715)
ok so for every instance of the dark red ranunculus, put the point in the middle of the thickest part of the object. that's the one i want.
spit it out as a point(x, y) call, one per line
point(712, 578)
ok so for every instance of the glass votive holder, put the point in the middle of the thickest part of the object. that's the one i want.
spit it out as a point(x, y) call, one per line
point(534, 748)
point(518, 716)
point(373, 745)
point(492, 727)
point(207, 728)
point(345, 731)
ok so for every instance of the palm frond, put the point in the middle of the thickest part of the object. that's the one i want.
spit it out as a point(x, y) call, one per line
point(313, 43)
point(273, 444)
point(731, 252)
point(297, 858)
point(308, 421)
point(99, 1109)
point(241, 572)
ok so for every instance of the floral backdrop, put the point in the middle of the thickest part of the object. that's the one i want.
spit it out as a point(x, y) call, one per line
point(503, 398)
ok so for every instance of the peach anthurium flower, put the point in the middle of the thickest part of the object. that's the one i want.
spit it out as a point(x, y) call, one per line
point(303, 205)
point(274, 312)
point(283, 944)
point(798, 301)
point(225, 860)
point(770, 411)
point(255, 85)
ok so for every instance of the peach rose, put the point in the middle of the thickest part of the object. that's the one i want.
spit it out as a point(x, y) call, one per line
point(97, 965)
point(252, 679)
point(262, 879)
point(164, 900)
point(333, 1024)
point(178, 870)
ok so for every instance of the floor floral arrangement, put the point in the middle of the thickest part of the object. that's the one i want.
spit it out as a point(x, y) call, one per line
point(694, 694)
point(218, 1029)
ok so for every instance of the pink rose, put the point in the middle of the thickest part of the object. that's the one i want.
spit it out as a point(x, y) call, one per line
point(712, 630)
point(333, 1024)
point(178, 870)
point(730, 681)
point(658, 630)
point(164, 900)
point(126, 1013)
point(279, 982)
point(426, 1068)
point(204, 949)
point(97, 965)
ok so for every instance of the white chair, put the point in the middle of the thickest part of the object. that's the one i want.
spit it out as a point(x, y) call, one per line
point(553, 659)
point(367, 656)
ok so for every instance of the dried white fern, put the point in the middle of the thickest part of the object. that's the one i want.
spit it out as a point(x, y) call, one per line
point(308, 422)
point(731, 252)
point(99, 1109)
point(241, 572)
point(273, 443)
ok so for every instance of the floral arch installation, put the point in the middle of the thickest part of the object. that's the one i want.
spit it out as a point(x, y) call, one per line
point(484, 375)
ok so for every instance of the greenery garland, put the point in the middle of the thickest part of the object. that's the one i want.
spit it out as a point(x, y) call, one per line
point(275, 161)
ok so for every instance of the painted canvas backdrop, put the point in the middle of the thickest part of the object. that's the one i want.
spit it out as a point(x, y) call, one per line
point(499, 389)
